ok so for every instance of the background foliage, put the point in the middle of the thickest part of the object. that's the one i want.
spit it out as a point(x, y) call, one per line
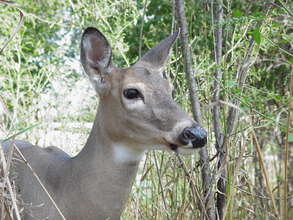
point(41, 82)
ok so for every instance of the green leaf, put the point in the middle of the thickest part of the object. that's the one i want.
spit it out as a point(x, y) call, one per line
point(290, 138)
point(278, 97)
point(237, 91)
point(237, 13)
point(258, 13)
point(256, 36)
point(276, 25)
point(284, 41)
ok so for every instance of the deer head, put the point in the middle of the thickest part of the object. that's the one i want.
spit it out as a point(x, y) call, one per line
point(136, 106)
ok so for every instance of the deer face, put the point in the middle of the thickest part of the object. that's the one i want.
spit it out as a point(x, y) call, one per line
point(136, 105)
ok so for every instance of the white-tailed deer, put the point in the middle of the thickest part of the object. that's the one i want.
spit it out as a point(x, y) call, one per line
point(136, 113)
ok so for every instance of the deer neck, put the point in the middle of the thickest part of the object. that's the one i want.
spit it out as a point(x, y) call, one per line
point(103, 172)
point(100, 147)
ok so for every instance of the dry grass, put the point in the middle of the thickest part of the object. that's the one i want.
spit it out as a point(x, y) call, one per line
point(34, 107)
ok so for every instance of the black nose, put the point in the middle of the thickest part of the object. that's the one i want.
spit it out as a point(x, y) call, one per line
point(195, 134)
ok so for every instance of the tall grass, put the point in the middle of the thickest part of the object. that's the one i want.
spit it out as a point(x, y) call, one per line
point(44, 97)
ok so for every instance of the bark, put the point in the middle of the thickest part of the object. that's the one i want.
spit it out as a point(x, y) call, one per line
point(218, 73)
point(205, 168)
point(221, 168)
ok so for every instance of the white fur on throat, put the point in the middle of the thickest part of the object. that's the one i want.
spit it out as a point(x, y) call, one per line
point(122, 153)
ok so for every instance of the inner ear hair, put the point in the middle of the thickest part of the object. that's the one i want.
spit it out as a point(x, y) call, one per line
point(96, 52)
point(100, 69)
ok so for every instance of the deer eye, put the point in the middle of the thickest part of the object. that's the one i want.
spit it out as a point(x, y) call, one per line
point(132, 94)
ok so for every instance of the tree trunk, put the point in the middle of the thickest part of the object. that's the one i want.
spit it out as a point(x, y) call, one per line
point(221, 165)
point(205, 168)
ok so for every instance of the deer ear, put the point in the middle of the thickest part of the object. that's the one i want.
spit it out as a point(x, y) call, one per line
point(155, 59)
point(95, 57)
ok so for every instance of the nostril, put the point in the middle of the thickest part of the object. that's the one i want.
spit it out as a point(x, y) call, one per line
point(185, 136)
point(196, 134)
point(189, 134)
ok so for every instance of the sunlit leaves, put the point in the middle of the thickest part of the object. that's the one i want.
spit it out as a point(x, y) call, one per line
point(256, 35)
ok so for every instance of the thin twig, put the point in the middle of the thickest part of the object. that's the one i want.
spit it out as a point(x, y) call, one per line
point(195, 193)
point(17, 28)
point(234, 178)
point(286, 159)
point(265, 173)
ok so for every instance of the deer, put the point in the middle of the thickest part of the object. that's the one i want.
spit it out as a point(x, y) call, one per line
point(136, 113)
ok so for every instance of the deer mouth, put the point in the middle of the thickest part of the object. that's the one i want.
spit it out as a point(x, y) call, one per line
point(173, 147)
point(187, 146)
point(191, 146)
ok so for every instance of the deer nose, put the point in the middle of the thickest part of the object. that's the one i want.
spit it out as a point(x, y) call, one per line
point(195, 134)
